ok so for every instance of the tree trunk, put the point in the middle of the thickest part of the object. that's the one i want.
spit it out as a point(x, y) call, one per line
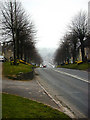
point(74, 53)
point(82, 49)
point(13, 37)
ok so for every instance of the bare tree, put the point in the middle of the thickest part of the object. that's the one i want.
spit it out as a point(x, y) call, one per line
point(17, 26)
point(73, 41)
point(8, 23)
point(77, 33)
point(63, 53)
point(79, 27)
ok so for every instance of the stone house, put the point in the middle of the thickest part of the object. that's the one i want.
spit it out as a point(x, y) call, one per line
point(86, 50)
point(7, 50)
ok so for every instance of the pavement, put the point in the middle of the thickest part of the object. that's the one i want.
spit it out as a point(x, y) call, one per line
point(28, 89)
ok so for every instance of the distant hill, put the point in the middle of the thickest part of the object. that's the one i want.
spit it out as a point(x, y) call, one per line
point(47, 53)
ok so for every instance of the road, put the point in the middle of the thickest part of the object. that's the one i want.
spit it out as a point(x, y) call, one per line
point(69, 87)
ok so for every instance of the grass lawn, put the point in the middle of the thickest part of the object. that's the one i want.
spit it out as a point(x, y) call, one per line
point(18, 107)
point(83, 66)
point(12, 70)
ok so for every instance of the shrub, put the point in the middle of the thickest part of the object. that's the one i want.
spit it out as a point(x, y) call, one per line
point(79, 62)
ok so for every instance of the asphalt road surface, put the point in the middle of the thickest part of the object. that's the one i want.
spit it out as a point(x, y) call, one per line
point(69, 87)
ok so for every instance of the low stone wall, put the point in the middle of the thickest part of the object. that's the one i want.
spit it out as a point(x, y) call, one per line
point(25, 76)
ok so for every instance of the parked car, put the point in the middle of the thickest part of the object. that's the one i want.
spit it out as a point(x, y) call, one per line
point(41, 66)
point(2, 58)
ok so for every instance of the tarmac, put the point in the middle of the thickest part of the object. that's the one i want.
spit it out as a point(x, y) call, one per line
point(30, 89)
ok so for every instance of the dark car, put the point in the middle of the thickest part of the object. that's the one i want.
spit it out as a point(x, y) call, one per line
point(44, 66)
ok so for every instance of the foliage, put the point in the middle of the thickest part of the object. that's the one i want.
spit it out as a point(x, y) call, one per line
point(79, 62)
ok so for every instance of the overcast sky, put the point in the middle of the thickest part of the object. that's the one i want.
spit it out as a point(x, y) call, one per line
point(51, 18)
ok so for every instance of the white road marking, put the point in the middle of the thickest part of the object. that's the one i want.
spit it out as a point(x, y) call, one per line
point(74, 76)
point(51, 64)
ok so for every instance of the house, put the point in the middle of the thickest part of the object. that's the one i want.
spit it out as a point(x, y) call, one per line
point(7, 50)
point(86, 50)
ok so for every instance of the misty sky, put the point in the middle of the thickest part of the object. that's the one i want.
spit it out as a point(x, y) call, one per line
point(51, 18)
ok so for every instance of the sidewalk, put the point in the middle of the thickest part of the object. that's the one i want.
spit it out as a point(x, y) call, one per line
point(28, 89)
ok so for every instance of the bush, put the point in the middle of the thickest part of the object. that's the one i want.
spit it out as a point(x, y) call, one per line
point(79, 62)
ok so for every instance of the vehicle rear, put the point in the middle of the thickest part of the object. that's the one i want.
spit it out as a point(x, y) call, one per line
point(1, 58)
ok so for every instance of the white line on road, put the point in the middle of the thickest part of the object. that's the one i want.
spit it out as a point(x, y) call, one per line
point(74, 76)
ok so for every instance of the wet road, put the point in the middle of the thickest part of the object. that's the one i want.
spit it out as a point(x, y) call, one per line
point(67, 86)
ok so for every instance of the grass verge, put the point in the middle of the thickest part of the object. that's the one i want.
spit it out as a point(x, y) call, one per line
point(13, 70)
point(18, 107)
point(83, 66)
